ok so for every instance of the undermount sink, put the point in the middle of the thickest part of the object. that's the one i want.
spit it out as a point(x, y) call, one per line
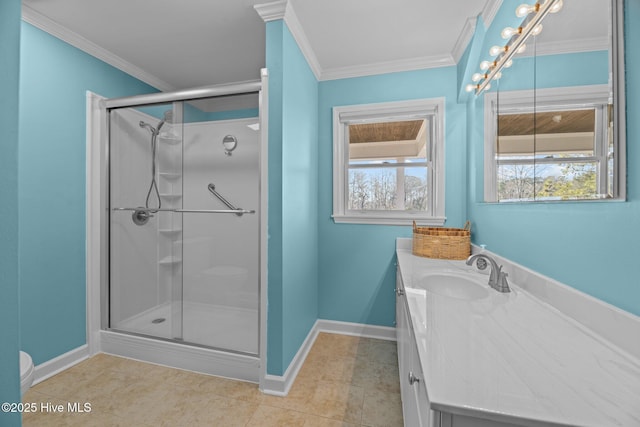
point(454, 285)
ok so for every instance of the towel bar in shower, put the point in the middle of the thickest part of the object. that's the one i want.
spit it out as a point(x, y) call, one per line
point(153, 210)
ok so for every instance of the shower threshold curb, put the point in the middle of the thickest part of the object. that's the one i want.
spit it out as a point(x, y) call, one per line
point(197, 359)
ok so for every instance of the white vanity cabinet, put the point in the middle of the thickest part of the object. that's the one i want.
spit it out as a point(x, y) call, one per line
point(509, 359)
point(415, 403)
point(416, 408)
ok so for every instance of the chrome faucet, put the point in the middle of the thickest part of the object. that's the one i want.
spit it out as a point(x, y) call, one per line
point(497, 278)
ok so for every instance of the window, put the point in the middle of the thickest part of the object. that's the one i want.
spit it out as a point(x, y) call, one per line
point(388, 163)
point(561, 150)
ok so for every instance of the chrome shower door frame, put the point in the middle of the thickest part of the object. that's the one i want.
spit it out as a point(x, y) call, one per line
point(97, 191)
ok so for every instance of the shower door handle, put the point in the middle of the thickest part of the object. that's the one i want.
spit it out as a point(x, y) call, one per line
point(144, 211)
point(238, 212)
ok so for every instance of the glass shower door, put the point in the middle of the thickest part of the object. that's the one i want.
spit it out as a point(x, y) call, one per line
point(184, 228)
point(145, 234)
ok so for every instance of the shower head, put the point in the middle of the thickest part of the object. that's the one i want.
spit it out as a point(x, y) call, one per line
point(168, 117)
point(148, 126)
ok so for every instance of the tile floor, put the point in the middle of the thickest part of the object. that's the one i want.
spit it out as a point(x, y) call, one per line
point(345, 381)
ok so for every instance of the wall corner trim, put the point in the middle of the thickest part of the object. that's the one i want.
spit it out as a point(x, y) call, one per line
point(280, 385)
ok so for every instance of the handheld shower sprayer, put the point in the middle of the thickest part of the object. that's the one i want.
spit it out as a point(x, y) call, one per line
point(142, 215)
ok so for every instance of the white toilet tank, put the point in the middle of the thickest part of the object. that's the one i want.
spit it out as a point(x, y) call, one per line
point(26, 372)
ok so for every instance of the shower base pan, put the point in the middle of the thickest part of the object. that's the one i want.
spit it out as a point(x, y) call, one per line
point(232, 331)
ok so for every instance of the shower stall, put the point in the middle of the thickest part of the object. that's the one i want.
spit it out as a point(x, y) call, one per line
point(180, 275)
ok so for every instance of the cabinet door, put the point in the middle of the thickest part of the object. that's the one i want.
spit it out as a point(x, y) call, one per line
point(402, 326)
point(425, 416)
point(405, 350)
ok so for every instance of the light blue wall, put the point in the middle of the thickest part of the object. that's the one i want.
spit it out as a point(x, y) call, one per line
point(9, 271)
point(193, 114)
point(293, 201)
point(547, 71)
point(357, 270)
point(590, 246)
point(54, 78)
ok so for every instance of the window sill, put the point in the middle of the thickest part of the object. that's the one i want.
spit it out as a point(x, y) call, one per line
point(388, 220)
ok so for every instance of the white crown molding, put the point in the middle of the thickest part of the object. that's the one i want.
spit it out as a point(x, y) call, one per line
point(40, 21)
point(409, 64)
point(284, 10)
point(271, 11)
point(464, 38)
point(489, 11)
point(569, 46)
point(291, 19)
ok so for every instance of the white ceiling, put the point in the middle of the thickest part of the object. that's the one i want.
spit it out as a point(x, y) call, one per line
point(181, 44)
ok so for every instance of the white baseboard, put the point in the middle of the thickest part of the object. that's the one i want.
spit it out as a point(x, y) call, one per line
point(356, 329)
point(197, 359)
point(58, 364)
point(277, 385)
point(280, 385)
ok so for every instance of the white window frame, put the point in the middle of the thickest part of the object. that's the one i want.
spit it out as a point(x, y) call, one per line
point(430, 109)
point(551, 99)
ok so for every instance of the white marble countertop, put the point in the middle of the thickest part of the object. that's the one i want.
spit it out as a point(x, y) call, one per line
point(513, 358)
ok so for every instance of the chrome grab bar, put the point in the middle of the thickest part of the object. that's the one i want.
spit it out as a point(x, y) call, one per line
point(212, 189)
point(238, 212)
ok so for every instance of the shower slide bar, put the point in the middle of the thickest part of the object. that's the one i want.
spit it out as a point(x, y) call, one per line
point(238, 212)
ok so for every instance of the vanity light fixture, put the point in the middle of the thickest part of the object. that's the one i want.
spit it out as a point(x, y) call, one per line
point(533, 15)
point(509, 32)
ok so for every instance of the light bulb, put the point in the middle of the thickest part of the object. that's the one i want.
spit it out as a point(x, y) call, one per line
point(508, 64)
point(476, 77)
point(484, 65)
point(487, 87)
point(556, 7)
point(510, 32)
point(522, 48)
point(537, 30)
point(497, 75)
point(524, 9)
point(496, 50)
point(471, 87)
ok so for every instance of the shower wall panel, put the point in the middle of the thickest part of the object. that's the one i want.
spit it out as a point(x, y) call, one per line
point(221, 251)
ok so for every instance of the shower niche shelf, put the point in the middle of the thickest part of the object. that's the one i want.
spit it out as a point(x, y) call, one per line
point(170, 260)
point(170, 176)
point(170, 197)
point(170, 232)
point(170, 139)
